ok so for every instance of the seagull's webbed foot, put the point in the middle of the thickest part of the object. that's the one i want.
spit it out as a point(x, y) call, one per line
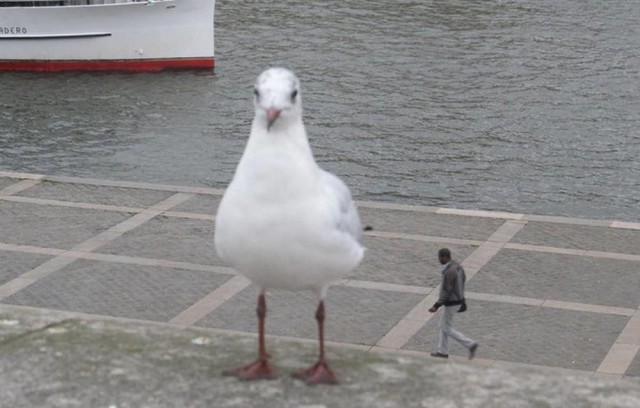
point(319, 373)
point(258, 370)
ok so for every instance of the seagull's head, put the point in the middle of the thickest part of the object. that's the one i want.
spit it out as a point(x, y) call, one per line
point(277, 96)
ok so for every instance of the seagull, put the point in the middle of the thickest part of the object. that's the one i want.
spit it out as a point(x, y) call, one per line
point(283, 222)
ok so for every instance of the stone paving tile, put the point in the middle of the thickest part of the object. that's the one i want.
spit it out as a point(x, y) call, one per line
point(169, 238)
point(569, 278)
point(422, 223)
point(529, 334)
point(580, 237)
point(85, 193)
point(404, 262)
point(6, 182)
point(14, 264)
point(634, 368)
point(353, 315)
point(508, 332)
point(200, 203)
point(130, 291)
point(51, 226)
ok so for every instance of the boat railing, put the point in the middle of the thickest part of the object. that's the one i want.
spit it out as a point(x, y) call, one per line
point(53, 3)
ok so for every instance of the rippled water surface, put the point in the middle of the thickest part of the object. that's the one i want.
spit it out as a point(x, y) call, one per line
point(502, 105)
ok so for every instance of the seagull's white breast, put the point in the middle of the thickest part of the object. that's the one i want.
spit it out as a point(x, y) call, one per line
point(278, 224)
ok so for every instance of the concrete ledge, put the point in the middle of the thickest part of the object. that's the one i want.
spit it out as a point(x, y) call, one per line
point(54, 359)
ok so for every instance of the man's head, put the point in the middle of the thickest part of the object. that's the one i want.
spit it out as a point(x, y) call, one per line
point(444, 255)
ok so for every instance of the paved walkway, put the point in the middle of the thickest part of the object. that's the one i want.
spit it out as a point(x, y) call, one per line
point(545, 291)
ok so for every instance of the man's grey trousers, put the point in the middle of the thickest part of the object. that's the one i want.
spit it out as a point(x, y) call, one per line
point(447, 330)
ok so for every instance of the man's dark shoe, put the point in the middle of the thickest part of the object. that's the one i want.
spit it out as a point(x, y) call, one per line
point(439, 355)
point(472, 351)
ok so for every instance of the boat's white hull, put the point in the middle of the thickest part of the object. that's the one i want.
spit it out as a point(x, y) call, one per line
point(146, 36)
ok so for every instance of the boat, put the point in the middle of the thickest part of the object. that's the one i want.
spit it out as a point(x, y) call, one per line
point(99, 35)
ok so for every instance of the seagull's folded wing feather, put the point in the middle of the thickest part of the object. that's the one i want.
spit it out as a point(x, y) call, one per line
point(345, 215)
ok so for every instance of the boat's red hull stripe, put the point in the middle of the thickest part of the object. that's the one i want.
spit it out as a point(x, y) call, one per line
point(107, 65)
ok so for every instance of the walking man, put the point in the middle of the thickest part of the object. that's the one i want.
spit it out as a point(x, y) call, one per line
point(452, 298)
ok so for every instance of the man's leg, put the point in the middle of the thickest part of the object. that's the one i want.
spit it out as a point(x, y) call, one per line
point(450, 331)
point(461, 338)
point(445, 327)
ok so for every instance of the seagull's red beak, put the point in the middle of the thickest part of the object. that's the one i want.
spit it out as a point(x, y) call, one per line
point(272, 115)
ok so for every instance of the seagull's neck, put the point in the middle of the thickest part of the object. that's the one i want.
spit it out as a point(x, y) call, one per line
point(283, 140)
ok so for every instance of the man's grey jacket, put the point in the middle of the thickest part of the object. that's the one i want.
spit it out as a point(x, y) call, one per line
point(452, 289)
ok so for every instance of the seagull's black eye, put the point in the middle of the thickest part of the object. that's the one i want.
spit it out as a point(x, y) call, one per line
point(256, 93)
point(293, 95)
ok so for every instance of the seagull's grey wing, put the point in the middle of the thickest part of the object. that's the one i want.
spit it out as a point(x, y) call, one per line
point(346, 216)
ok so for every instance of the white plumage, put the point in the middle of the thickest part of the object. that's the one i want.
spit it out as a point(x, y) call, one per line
point(283, 222)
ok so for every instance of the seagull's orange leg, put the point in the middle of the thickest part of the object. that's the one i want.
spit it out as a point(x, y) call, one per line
point(259, 369)
point(320, 372)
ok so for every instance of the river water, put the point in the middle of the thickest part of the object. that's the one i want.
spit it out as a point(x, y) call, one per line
point(522, 106)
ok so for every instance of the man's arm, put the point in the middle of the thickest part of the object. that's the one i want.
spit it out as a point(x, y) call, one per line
point(448, 282)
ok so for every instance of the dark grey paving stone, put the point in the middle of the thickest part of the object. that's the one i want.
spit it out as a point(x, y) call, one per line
point(170, 238)
point(634, 367)
point(121, 290)
point(52, 226)
point(6, 182)
point(201, 203)
point(440, 225)
point(580, 237)
point(85, 193)
point(353, 315)
point(405, 262)
point(14, 264)
point(531, 335)
point(570, 278)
